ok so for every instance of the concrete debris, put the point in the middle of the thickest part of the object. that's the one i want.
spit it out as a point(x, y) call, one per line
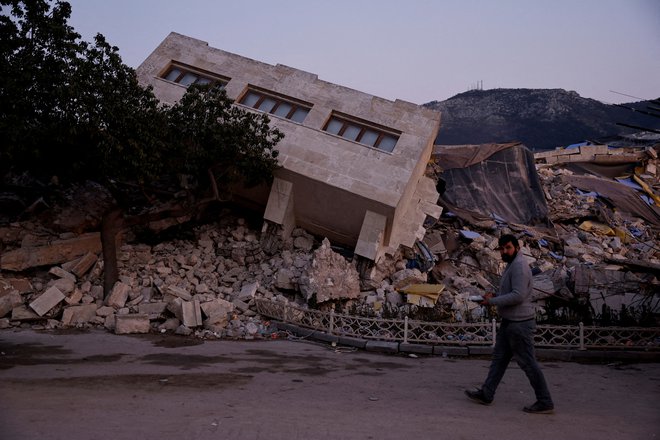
point(79, 314)
point(46, 301)
point(56, 252)
point(330, 276)
point(192, 313)
point(591, 259)
point(9, 300)
point(133, 323)
point(118, 296)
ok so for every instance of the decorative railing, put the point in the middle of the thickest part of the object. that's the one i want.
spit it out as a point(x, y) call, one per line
point(461, 334)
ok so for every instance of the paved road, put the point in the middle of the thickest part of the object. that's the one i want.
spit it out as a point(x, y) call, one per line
point(101, 386)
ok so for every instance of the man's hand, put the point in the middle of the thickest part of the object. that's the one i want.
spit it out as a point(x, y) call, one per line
point(487, 297)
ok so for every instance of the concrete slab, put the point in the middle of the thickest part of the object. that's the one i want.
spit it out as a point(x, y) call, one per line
point(134, 323)
point(47, 300)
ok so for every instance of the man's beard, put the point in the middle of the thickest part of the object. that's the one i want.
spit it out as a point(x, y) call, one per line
point(509, 258)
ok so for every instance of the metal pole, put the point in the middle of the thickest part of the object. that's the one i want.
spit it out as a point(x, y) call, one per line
point(582, 347)
point(332, 321)
point(405, 329)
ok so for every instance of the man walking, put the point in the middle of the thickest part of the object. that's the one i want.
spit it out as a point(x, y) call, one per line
point(515, 338)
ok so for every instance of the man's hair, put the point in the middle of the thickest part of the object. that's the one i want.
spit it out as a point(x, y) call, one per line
point(508, 238)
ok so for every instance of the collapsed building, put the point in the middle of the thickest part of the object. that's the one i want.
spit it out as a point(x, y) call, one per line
point(359, 171)
point(588, 217)
point(352, 163)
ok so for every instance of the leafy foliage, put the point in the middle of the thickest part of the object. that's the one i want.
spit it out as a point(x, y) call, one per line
point(207, 131)
point(73, 109)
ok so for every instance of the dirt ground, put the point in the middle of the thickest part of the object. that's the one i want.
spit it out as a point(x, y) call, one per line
point(84, 385)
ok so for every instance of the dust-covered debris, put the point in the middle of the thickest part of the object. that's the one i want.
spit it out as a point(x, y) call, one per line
point(594, 262)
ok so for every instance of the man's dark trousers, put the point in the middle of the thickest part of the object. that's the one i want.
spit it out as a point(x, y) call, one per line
point(515, 339)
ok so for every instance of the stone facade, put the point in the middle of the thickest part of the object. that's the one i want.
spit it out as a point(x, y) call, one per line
point(369, 198)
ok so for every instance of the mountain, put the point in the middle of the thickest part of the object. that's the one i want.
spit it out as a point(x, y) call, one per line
point(540, 118)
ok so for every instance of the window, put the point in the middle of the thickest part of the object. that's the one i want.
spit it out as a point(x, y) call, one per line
point(284, 107)
point(360, 132)
point(186, 75)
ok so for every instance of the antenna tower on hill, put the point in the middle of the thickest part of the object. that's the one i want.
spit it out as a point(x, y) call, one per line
point(479, 85)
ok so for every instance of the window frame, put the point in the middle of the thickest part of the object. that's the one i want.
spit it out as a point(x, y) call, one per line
point(364, 127)
point(213, 78)
point(263, 94)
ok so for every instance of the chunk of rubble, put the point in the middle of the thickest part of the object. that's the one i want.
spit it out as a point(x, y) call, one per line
point(330, 276)
point(47, 300)
point(79, 314)
point(133, 323)
point(118, 295)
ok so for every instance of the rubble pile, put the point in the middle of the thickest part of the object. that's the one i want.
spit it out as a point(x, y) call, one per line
point(206, 286)
point(592, 261)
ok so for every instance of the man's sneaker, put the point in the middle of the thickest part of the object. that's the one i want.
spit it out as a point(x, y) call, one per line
point(539, 408)
point(478, 396)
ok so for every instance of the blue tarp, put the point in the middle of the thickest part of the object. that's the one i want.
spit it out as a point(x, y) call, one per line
point(470, 235)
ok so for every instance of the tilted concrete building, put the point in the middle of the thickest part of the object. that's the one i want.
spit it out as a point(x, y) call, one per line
point(352, 163)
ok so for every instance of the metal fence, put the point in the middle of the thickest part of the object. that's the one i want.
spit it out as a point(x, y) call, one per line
point(461, 334)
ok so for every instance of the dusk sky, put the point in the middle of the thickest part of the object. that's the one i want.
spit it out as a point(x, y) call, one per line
point(415, 50)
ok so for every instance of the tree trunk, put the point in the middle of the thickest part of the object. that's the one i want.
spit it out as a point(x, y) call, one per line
point(111, 224)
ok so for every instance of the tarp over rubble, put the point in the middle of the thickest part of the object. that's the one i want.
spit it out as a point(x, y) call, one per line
point(622, 196)
point(491, 181)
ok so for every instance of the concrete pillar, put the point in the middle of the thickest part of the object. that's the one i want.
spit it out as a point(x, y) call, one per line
point(371, 235)
point(279, 208)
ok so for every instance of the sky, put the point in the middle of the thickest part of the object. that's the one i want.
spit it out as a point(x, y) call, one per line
point(414, 50)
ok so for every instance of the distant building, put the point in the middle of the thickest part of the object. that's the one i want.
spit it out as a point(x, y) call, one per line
point(353, 163)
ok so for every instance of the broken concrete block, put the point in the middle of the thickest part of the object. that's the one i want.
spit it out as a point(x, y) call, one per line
point(47, 300)
point(65, 285)
point(86, 287)
point(201, 288)
point(405, 277)
point(330, 276)
point(183, 330)
point(8, 301)
point(110, 322)
point(22, 285)
point(394, 298)
point(79, 314)
point(177, 291)
point(303, 243)
point(284, 279)
point(153, 310)
point(61, 273)
point(192, 313)
point(118, 296)
point(135, 301)
point(217, 310)
point(74, 298)
point(105, 311)
point(175, 306)
point(248, 291)
point(57, 252)
point(146, 293)
point(96, 292)
point(240, 305)
point(84, 264)
point(134, 323)
point(22, 313)
point(6, 287)
point(170, 324)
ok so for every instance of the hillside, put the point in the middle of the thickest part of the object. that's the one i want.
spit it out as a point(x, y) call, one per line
point(540, 118)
